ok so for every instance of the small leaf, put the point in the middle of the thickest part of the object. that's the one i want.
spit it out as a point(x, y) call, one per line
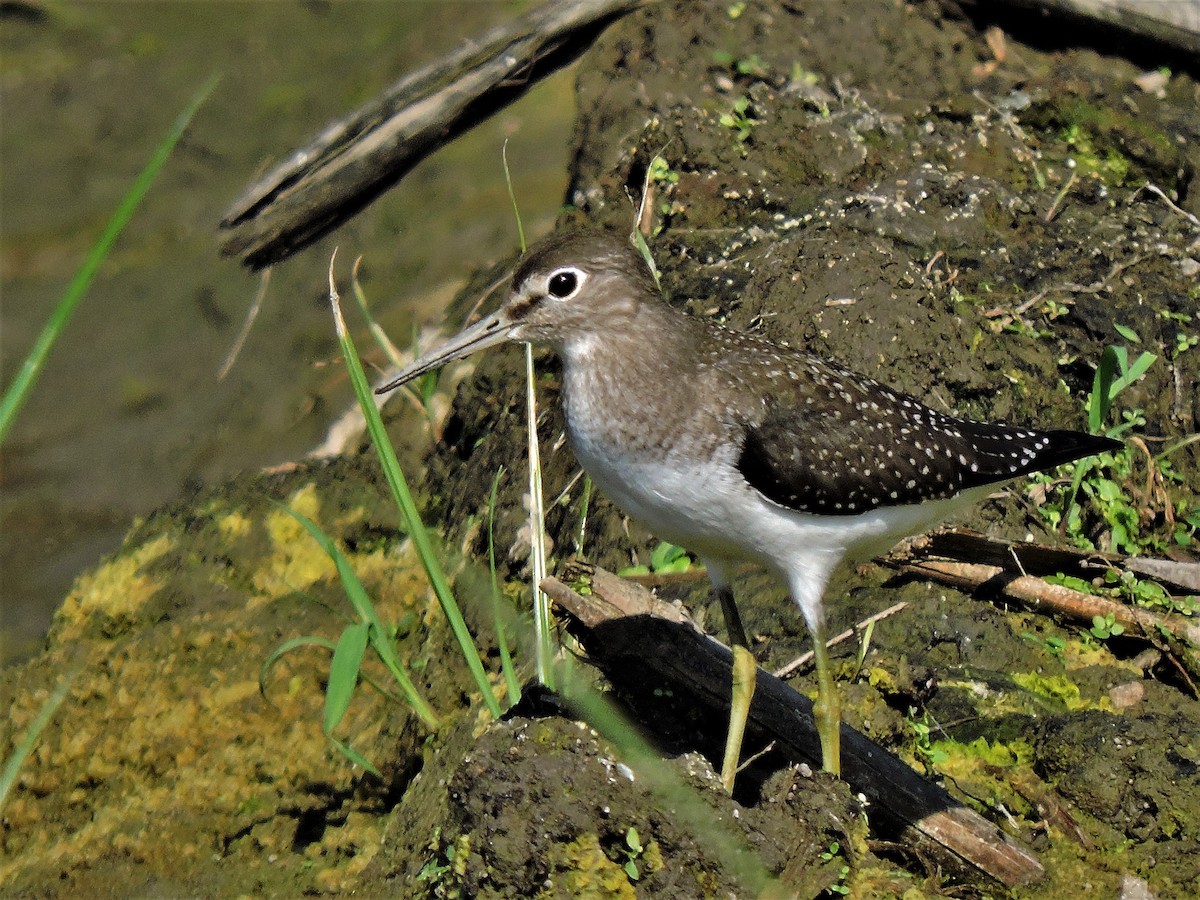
point(662, 556)
point(343, 673)
point(631, 840)
point(631, 870)
point(1128, 333)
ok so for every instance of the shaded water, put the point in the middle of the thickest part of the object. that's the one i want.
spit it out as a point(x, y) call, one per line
point(129, 413)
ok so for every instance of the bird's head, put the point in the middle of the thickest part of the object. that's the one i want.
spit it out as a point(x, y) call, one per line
point(566, 292)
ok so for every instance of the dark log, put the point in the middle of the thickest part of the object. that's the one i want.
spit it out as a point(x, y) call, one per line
point(620, 627)
point(356, 158)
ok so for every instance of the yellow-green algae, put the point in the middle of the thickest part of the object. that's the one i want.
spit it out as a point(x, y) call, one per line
point(164, 739)
point(1058, 690)
point(583, 870)
point(116, 590)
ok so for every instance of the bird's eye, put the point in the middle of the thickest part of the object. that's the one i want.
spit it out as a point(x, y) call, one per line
point(563, 283)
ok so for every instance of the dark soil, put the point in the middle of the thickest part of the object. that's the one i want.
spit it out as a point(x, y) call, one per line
point(894, 201)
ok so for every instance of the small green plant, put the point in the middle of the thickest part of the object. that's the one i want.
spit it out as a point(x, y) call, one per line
point(752, 65)
point(1128, 587)
point(923, 748)
point(740, 120)
point(444, 869)
point(349, 650)
point(1104, 627)
point(1108, 164)
point(1113, 375)
point(665, 559)
point(829, 855)
point(660, 172)
point(1108, 484)
point(1183, 343)
point(632, 851)
point(1027, 329)
point(1053, 644)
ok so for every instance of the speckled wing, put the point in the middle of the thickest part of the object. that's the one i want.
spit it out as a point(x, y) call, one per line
point(834, 443)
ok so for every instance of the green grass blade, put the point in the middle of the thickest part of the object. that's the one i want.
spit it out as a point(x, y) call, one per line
point(512, 195)
point(18, 391)
point(506, 665)
point(12, 765)
point(353, 755)
point(343, 673)
point(381, 339)
point(408, 508)
point(639, 241)
point(1131, 373)
point(1100, 399)
point(585, 502)
point(542, 622)
point(543, 631)
point(357, 595)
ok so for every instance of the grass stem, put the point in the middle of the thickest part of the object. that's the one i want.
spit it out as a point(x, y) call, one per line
point(18, 392)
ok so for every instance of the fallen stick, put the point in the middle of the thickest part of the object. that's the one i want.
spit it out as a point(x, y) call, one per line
point(1011, 570)
point(637, 640)
point(786, 671)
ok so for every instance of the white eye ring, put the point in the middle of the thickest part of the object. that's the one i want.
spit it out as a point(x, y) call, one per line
point(564, 283)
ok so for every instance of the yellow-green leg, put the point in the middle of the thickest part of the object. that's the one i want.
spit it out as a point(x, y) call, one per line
point(745, 674)
point(827, 711)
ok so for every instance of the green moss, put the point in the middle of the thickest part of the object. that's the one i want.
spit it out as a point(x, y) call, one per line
point(1005, 755)
point(1058, 689)
point(583, 870)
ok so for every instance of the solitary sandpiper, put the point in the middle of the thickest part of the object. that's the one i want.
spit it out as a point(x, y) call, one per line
point(737, 448)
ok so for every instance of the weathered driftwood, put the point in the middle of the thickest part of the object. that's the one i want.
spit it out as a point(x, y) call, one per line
point(355, 159)
point(1172, 23)
point(638, 640)
point(970, 562)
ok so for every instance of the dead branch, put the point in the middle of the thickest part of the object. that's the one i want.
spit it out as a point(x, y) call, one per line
point(354, 159)
point(971, 562)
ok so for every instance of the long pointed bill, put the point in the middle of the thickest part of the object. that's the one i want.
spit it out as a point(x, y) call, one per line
point(495, 329)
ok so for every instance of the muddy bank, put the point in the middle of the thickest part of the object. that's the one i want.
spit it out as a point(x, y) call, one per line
point(888, 194)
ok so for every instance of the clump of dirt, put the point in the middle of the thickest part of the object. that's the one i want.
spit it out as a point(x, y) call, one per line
point(545, 807)
point(165, 768)
point(962, 218)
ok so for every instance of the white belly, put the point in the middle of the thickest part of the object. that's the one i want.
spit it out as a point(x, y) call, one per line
point(707, 507)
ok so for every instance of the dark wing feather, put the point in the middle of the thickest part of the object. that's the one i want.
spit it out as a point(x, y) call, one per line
point(835, 443)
